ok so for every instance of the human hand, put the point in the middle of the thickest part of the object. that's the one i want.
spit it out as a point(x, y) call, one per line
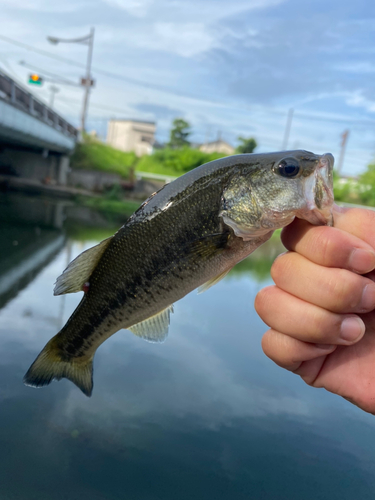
point(321, 309)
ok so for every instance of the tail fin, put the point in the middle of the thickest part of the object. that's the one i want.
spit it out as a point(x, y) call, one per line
point(51, 364)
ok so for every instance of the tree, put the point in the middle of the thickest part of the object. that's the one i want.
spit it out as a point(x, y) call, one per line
point(179, 134)
point(246, 145)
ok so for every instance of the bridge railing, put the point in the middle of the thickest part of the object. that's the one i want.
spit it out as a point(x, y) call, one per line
point(17, 96)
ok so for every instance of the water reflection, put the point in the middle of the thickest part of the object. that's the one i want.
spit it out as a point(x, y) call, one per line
point(204, 415)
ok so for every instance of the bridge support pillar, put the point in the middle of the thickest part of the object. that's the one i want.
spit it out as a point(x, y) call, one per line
point(63, 170)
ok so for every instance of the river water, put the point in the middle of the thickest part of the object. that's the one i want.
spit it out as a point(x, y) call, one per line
point(203, 416)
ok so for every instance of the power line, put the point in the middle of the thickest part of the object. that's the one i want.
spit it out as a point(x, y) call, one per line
point(133, 81)
point(162, 88)
point(110, 74)
point(40, 51)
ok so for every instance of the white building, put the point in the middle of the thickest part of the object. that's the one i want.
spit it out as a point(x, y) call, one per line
point(218, 146)
point(131, 135)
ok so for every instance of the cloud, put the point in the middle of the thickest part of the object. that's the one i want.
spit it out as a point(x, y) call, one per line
point(158, 111)
point(46, 6)
point(137, 8)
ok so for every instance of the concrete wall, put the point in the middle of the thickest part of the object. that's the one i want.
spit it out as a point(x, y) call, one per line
point(91, 180)
point(35, 166)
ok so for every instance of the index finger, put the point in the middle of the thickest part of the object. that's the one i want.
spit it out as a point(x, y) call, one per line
point(347, 245)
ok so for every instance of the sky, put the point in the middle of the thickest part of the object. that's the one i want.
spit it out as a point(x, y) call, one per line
point(229, 68)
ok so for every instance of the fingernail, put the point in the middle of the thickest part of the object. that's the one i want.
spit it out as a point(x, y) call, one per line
point(368, 298)
point(362, 261)
point(352, 329)
point(339, 208)
point(337, 211)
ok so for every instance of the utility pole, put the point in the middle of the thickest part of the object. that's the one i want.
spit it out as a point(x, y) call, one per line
point(344, 140)
point(86, 82)
point(287, 129)
point(87, 79)
point(53, 89)
point(208, 133)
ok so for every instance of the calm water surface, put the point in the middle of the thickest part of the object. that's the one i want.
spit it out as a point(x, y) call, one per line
point(203, 416)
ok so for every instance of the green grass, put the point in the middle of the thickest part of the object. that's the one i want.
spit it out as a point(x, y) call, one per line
point(78, 232)
point(123, 207)
point(94, 155)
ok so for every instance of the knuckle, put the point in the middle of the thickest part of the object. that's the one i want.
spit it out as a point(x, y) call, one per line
point(323, 245)
point(326, 326)
point(281, 266)
point(344, 289)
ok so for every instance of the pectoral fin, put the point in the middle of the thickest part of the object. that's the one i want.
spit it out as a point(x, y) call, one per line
point(213, 281)
point(154, 329)
point(80, 269)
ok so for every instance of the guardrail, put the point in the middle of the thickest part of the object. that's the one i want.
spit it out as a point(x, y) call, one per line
point(13, 93)
point(156, 177)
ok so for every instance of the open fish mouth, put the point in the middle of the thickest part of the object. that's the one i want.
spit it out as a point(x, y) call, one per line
point(319, 193)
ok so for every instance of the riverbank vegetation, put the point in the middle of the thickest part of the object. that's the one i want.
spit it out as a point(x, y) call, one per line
point(91, 154)
point(175, 158)
point(178, 157)
point(175, 162)
point(360, 191)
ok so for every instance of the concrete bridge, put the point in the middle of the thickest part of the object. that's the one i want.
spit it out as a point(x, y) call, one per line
point(34, 140)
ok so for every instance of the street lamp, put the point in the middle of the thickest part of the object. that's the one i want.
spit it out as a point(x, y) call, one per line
point(87, 82)
point(53, 89)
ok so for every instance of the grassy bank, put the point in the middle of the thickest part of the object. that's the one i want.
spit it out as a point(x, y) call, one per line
point(126, 207)
point(175, 162)
point(94, 155)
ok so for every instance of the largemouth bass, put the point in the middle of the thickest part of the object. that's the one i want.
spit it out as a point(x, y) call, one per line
point(187, 235)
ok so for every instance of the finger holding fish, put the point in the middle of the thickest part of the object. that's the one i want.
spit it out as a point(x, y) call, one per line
point(335, 289)
point(291, 353)
point(331, 246)
point(305, 321)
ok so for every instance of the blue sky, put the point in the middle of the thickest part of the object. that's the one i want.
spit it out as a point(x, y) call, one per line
point(234, 68)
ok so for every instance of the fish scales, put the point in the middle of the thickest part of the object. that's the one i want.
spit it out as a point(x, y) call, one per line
point(147, 286)
point(190, 233)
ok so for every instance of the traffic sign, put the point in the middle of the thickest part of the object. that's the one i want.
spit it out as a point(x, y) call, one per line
point(35, 79)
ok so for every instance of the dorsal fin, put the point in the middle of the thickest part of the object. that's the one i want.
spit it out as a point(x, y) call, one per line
point(80, 269)
point(155, 328)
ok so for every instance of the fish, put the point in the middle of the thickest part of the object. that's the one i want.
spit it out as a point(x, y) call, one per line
point(187, 235)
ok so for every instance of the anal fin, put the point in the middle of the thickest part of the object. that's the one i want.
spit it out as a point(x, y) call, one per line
point(80, 269)
point(155, 328)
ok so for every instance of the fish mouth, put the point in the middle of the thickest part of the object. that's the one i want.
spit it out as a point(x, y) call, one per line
point(319, 193)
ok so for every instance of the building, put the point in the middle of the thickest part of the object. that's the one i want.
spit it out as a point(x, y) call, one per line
point(132, 135)
point(218, 146)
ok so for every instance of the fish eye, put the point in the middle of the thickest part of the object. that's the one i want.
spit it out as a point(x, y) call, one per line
point(288, 167)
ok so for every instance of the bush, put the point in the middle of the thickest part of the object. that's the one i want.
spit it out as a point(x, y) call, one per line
point(175, 162)
point(345, 190)
point(367, 186)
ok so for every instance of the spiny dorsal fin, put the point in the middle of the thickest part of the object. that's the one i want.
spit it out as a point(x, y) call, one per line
point(212, 281)
point(154, 329)
point(80, 269)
